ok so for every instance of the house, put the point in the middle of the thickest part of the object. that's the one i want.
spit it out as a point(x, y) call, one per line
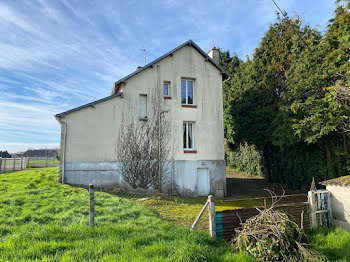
point(189, 82)
point(339, 189)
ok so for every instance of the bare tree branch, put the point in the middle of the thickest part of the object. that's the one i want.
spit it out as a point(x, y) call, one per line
point(144, 147)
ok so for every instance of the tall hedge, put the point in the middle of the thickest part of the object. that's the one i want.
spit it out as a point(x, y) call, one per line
point(284, 102)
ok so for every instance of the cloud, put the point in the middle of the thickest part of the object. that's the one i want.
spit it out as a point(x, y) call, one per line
point(56, 55)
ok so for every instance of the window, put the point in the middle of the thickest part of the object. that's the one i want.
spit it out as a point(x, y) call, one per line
point(143, 107)
point(166, 89)
point(187, 89)
point(188, 136)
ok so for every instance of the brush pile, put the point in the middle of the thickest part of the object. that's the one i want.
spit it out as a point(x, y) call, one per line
point(272, 236)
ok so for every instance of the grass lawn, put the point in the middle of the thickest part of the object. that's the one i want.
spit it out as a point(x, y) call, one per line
point(183, 211)
point(334, 243)
point(41, 219)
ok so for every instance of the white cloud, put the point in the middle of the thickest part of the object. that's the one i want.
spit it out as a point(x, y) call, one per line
point(56, 55)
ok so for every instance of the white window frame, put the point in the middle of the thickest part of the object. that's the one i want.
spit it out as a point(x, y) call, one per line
point(142, 96)
point(187, 80)
point(189, 123)
point(166, 83)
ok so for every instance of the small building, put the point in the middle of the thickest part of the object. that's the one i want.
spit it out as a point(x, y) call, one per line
point(339, 189)
point(189, 82)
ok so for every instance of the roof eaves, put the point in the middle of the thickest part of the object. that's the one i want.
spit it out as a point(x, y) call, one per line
point(89, 104)
point(189, 42)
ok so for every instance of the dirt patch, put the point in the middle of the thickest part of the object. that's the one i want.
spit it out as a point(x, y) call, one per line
point(240, 186)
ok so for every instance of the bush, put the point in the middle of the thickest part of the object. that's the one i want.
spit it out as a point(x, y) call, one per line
point(247, 159)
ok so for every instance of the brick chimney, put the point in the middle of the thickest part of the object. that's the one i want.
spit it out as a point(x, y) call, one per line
point(214, 54)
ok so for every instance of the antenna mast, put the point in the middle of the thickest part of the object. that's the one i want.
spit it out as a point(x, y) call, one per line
point(143, 50)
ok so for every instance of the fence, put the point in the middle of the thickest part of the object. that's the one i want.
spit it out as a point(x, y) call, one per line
point(42, 162)
point(13, 164)
point(20, 163)
point(223, 224)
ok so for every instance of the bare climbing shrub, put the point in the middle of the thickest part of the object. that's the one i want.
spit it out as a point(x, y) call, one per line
point(273, 236)
point(143, 147)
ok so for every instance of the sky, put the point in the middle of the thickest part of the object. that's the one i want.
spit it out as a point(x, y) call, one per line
point(59, 54)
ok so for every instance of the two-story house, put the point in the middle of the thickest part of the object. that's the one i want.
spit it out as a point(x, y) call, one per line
point(190, 82)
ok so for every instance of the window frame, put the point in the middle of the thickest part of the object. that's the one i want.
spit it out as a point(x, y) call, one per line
point(187, 123)
point(193, 93)
point(169, 95)
point(143, 118)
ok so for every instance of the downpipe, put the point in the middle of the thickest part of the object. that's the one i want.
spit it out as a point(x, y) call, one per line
point(63, 149)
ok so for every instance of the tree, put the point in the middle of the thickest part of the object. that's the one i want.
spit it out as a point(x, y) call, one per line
point(144, 147)
point(5, 154)
point(291, 101)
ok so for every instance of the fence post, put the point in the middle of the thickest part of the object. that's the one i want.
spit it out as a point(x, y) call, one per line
point(212, 218)
point(92, 206)
point(0, 163)
point(27, 162)
point(5, 164)
point(312, 201)
point(21, 163)
point(14, 163)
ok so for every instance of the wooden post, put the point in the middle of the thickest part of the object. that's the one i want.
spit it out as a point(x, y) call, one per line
point(5, 164)
point(312, 202)
point(27, 162)
point(302, 220)
point(46, 158)
point(92, 206)
point(195, 223)
point(21, 163)
point(212, 218)
point(14, 163)
point(0, 163)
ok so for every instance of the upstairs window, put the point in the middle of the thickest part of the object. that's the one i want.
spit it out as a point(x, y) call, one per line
point(166, 89)
point(143, 107)
point(187, 92)
point(188, 136)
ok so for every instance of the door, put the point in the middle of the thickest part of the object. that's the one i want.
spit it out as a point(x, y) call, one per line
point(203, 186)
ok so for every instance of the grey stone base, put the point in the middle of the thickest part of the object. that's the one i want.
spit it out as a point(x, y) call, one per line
point(181, 176)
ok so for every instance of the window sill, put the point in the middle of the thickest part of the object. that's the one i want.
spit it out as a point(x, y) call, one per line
point(143, 119)
point(167, 97)
point(189, 106)
point(190, 151)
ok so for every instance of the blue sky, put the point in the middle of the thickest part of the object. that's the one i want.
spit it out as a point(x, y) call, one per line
point(59, 54)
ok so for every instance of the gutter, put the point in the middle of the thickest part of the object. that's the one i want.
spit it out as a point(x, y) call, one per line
point(63, 145)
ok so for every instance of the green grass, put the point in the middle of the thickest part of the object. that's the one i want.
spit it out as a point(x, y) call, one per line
point(41, 219)
point(334, 243)
point(183, 211)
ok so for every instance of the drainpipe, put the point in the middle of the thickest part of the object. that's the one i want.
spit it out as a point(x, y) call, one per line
point(63, 144)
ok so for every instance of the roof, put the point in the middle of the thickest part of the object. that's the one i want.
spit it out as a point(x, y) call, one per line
point(225, 75)
point(340, 181)
point(89, 104)
point(190, 43)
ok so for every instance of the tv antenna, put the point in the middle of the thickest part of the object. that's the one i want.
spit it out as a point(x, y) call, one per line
point(143, 50)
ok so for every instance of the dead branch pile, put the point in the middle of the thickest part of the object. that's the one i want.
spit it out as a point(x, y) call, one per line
point(272, 236)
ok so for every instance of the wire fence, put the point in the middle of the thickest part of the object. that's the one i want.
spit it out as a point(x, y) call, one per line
point(20, 163)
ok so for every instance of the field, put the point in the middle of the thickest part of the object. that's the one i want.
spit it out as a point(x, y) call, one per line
point(42, 220)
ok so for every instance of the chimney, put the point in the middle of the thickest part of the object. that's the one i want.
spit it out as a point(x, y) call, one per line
point(214, 54)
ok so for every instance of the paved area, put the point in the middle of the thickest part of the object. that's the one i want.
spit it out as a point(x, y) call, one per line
point(242, 186)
